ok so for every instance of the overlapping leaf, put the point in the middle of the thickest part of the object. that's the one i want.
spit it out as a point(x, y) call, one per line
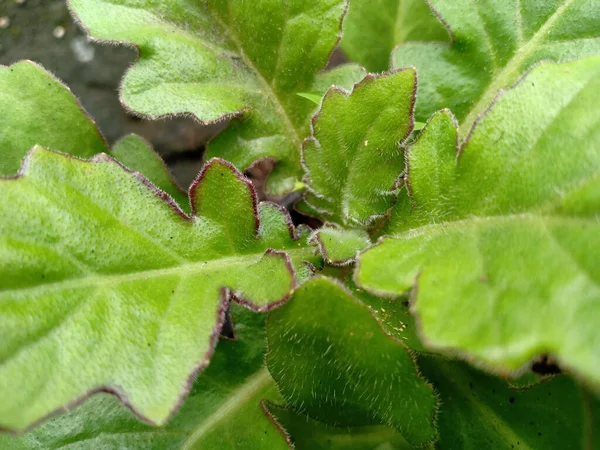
point(501, 243)
point(372, 28)
point(494, 42)
point(219, 59)
point(354, 159)
point(105, 286)
point(223, 409)
point(345, 370)
point(37, 109)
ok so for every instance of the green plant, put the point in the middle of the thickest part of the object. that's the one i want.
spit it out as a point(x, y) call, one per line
point(457, 299)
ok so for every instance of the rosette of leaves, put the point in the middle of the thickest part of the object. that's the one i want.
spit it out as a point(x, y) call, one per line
point(498, 238)
point(109, 286)
point(219, 59)
point(492, 44)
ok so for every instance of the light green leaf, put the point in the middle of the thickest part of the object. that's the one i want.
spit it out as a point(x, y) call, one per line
point(310, 434)
point(339, 246)
point(480, 411)
point(107, 286)
point(136, 154)
point(372, 28)
point(501, 244)
point(316, 99)
point(354, 158)
point(345, 370)
point(494, 42)
point(37, 109)
point(224, 409)
point(219, 59)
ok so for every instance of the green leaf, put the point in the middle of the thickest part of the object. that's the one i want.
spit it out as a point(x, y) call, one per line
point(217, 60)
point(105, 286)
point(345, 370)
point(481, 411)
point(338, 246)
point(310, 434)
point(224, 409)
point(494, 42)
point(38, 109)
point(136, 154)
point(503, 241)
point(316, 99)
point(372, 28)
point(352, 180)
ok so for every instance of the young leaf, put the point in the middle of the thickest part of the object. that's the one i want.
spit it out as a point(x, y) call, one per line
point(346, 371)
point(372, 28)
point(354, 158)
point(508, 230)
point(39, 109)
point(339, 246)
point(136, 154)
point(224, 409)
point(481, 411)
point(310, 434)
point(493, 43)
point(112, 288)
point(218, 59)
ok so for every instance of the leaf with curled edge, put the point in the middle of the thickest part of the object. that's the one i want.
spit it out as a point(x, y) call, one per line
point(225, 408)
point(500, 245)
point(37, 109)
point(355, 158)
point(372, 28)
point(494, 42)
point(113, 288)
point(220, 59)
point(346, 371)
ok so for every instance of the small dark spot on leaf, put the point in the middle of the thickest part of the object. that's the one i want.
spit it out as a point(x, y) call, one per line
point(172, 292)
point(43, 276)
point(539, 433)
point(511, 399)
point(471, 384)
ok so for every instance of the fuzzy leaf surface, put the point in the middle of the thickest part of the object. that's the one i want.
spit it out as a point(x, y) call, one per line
point(310, 434)
point(136, 154)
point(223, 409)
point(372, 28)
point(338, 246)
point(482, 411)
point(502, 241)
point(332, 378)
point(220, 59)
point(354, 158)
point(37, 109)
point(494, 42)
point(113, 288)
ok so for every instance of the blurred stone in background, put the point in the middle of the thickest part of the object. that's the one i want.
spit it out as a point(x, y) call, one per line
point(43, 31)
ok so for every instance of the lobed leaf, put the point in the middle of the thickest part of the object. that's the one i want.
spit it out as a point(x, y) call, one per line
point(372, 28)
point(494, 42)
point(338, 246)
point(220, 59)
point(332, 378)
point(501, 240)
point(113, 289)
point(354, 158)
point(223, 409)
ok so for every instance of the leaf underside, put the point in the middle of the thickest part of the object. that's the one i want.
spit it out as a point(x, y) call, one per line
point(502, 242)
